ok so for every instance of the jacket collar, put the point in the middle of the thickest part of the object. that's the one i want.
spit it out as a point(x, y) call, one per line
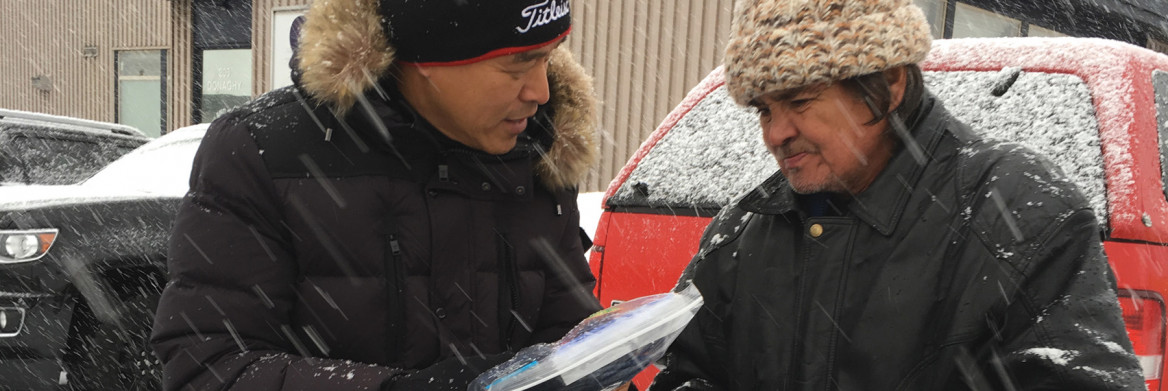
point(883, 203)
point(343, 52)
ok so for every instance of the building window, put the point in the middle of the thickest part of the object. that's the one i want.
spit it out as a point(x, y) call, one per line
point(287, 25)
point(225, 82)
point(972, 22)
point(1035, 31)
point(935, 13)
point(141, 90)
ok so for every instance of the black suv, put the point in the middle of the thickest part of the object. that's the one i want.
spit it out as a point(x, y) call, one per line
point(45, 149)
point(81, 269)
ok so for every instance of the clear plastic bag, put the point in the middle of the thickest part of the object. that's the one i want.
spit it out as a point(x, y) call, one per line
point(602, 352)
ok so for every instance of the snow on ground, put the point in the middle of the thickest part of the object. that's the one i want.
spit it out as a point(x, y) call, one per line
point(590, 209)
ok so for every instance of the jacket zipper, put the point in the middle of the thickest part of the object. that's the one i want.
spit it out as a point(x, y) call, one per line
point(508, 292)
point(395, 327)
point(800, 318)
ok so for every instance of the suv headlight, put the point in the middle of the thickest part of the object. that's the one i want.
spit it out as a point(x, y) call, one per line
point(26, 245)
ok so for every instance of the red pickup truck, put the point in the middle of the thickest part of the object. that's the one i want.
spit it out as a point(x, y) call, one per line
point(1097, 108)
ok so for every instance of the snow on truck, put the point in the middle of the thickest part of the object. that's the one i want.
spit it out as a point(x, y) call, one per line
point(1097, 108)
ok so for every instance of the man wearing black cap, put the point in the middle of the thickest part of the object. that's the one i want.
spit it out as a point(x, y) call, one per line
point(403, 217)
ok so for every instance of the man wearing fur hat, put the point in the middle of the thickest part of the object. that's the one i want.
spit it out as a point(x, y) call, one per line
point(401, 218)
point(879, 256)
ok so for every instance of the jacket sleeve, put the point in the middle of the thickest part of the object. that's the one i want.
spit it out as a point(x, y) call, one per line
point(223, 319)
point(685, 363)
point(568, 298)
point(1065, 330)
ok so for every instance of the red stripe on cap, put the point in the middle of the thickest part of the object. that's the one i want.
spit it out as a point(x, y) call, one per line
point(489, 55)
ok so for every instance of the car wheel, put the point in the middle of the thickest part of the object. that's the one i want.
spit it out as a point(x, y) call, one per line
point(115, 354)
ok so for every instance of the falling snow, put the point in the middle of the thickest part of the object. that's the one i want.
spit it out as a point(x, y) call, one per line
point(1049, 113)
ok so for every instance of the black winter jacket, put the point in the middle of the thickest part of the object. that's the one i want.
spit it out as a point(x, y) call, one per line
point(977, 268)
point(311, 253)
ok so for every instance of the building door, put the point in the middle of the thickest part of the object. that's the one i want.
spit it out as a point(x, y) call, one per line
point(141, 90)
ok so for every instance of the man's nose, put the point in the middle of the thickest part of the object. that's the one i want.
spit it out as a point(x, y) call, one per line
point(535, 88)
point(778, 130)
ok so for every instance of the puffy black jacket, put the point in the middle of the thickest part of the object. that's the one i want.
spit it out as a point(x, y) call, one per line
point(978, 268)
point(312, 253)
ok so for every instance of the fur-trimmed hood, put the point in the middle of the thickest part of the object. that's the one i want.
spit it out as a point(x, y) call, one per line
point(343, 53)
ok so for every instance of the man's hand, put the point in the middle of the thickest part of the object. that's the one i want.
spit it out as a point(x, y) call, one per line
point(452, 374)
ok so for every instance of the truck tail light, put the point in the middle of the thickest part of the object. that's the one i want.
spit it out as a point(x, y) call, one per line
point(1143, 315)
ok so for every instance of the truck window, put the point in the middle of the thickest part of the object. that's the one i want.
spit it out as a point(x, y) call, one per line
point(57, 160)
point(1051, 113)
point(711, 155)
point(715, 152)
point(1160, 89)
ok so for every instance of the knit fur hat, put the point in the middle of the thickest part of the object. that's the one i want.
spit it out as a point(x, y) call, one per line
point(778, 45)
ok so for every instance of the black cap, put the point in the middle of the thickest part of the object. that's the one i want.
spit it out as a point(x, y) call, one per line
point(452, 32)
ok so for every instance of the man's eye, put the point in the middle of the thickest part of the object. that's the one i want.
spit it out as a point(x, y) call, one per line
point(799, 103)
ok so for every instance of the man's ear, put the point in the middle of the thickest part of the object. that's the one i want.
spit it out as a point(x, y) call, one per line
point(897, 79)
